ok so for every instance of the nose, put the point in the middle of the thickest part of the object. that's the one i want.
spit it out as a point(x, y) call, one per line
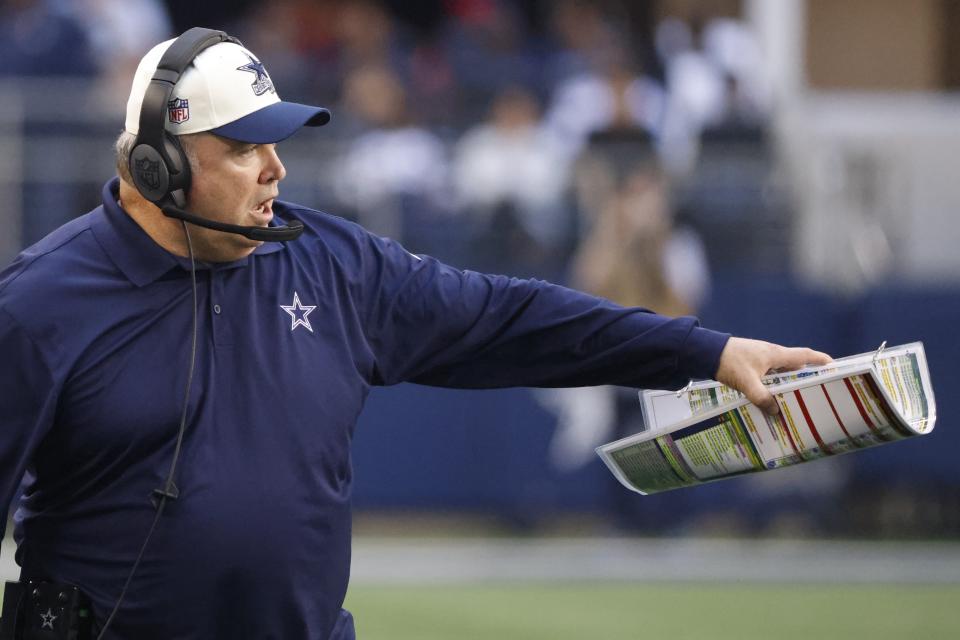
point(273, 169)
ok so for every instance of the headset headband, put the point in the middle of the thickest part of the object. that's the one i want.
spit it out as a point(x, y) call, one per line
point(173, 63)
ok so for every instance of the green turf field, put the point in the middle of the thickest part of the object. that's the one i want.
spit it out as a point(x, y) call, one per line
point(662, 612)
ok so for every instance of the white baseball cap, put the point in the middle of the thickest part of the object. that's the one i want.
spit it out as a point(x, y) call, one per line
point(227, 91)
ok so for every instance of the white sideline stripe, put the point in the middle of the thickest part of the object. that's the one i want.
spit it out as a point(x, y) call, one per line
point(391, 561)
point(445, 561)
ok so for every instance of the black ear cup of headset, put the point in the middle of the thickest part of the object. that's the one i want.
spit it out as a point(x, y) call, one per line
point(159, 175)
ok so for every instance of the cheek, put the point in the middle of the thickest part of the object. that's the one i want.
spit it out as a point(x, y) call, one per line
point(219, 191)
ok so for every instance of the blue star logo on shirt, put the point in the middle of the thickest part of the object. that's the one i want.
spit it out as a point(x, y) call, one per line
point(262, 82)
point(298, 313)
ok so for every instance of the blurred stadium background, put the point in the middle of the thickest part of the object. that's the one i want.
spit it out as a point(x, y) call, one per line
point(784, 169)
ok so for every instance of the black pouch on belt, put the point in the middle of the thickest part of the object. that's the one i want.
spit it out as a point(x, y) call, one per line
point(43, 610)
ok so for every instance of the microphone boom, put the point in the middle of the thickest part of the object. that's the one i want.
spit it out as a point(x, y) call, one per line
point(283, 233)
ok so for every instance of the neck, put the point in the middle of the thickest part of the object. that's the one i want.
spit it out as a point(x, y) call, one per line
point(168, 233)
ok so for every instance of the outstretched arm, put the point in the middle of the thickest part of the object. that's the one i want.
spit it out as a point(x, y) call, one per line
point(744, 361)
point(433, 324)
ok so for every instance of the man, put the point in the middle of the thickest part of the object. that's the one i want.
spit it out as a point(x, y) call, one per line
point(96, 326)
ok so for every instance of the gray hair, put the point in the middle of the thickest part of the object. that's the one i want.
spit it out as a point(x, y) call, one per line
point(123, 147)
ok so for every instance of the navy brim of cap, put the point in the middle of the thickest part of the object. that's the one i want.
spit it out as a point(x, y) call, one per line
point(273, 123)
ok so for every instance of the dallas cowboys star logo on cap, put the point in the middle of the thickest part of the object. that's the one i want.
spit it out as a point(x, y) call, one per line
point(262, 83)
point(298, 313)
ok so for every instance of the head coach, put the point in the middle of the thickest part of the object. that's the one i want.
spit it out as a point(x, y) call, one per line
point(198, 349)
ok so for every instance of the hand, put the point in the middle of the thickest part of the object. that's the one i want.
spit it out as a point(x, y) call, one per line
point(744, 361)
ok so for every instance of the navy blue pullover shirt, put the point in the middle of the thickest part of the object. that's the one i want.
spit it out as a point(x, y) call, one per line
point(95, 328)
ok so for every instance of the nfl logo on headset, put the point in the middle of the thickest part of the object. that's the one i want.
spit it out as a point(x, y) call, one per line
point(148, 171)
point(178, 110)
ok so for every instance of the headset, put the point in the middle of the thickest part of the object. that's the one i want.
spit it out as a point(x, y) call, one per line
point(158, 164)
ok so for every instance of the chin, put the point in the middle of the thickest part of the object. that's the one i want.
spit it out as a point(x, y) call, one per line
point(242, 241)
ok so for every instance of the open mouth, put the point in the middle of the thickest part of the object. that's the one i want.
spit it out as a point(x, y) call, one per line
point(265, 208)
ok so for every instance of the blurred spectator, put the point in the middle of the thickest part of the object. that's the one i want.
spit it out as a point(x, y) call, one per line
point(583, 35)
point(120, 33)
point(491, 49)
point(328, 38)
point(510, 178)
point(44, 38)
point(425, 67)
point(632, 253)
point(292, 36)
point(694, 81)
point(366, 35)
point(714, 80)
point(44, 41)
point(734, 48)
point(396, 172)
point(615, 96)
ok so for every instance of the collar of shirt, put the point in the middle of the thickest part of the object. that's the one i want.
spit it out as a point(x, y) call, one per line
point(137, 255)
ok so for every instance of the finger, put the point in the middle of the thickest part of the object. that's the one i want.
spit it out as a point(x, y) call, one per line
point(818, 357)
point(799, 357)
point(758, 395)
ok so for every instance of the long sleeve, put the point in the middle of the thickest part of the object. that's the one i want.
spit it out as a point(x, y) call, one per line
point(27, 404)
point(433, 324)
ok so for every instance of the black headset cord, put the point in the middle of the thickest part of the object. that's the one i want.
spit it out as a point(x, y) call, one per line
point(169, 490)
